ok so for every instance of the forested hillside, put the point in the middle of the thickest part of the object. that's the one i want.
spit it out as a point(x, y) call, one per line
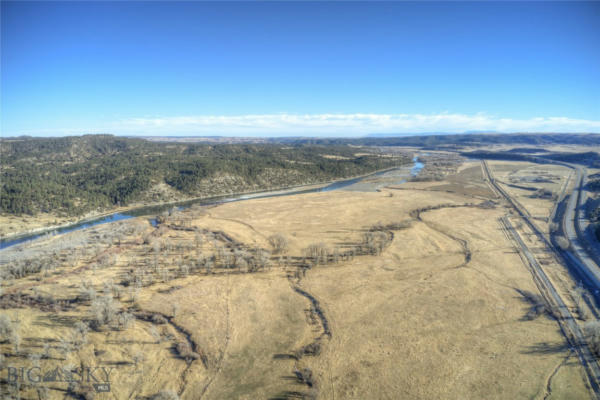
point(73, 175)
point(458, 141)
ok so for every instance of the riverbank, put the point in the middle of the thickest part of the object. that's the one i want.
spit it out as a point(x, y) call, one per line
point(29, 233)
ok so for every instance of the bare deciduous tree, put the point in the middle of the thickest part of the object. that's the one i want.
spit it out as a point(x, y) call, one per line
point(578, 293)
point(6, 327)
point(184, 270)
point(117, 291)
point(279, 243)
point(241, 262)
point(42, 391)
point(263, 259)
point(164, 274)
point(335, 256)
point(198, 242)
point(208, 266)
point(124, 320)
point(15, 340)
point(104, 310)
point(87, 291)
point(79, 335)
point(46, 351)
point(65, 347)
point(34, 359)
point(317, 253)
point(219, 254)
point(138, 358)
point(374, 241)
point(155, 334)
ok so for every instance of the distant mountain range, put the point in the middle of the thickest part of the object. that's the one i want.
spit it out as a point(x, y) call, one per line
point(428, 134)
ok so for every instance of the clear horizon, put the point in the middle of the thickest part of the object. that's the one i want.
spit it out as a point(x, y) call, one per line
point(299, 69)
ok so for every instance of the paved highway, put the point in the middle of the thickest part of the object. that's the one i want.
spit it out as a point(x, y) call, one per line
point(568, 325)
point(574, 231)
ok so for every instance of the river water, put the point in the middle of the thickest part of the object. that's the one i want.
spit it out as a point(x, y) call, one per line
point(395, 176)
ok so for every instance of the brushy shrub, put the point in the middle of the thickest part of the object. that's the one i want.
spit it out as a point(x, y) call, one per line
point(312, 349)
point(391, 226)
point(305, 375)
point(185, 351)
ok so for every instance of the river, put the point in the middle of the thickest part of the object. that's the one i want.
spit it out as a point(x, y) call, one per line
point(154, 210)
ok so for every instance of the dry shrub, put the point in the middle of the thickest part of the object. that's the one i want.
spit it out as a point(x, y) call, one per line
point(185, 351)
point(159, 319)
point(305, 375)
point(391, 226)
point(81, 391)
point(312, 349)
point(592, 333)
point(538, 305)
point(165, 395)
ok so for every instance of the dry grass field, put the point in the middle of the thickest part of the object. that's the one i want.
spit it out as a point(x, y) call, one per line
point(411, 292)
point(12, 225)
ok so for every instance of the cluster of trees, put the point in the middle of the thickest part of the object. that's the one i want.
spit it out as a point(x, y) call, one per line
point(72, 249)
point(74, 175)
point(373, 242)
point(106, 311)
point(167, 260)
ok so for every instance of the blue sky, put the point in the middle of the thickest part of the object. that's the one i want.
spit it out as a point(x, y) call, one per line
point(292, 68)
